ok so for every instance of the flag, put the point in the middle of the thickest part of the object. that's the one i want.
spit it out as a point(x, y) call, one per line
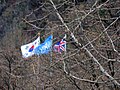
point(28, 49)
point(45, 47)
point(60, 46)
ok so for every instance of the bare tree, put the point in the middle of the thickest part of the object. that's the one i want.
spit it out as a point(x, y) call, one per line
point(91, 61)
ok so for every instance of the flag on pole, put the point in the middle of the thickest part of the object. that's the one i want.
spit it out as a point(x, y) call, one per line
point(28, 49)
point(45, 47)
point(60, 46)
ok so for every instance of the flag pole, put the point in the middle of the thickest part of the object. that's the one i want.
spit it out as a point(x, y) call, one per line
point(38, 66)
point(51, 55)
point(66, 42)
point(64, 53)
point(51, 48)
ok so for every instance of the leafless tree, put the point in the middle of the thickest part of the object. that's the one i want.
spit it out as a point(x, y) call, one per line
point(91, 61)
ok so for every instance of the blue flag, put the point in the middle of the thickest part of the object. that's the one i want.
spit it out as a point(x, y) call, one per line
point(45, 47)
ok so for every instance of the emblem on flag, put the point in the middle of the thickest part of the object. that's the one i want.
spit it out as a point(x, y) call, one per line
point(31, 49)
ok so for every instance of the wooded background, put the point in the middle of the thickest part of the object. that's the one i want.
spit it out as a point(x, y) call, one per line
point(92, 59)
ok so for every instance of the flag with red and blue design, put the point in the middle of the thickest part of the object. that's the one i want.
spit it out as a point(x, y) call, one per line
point(60, 46)
point(28, 49)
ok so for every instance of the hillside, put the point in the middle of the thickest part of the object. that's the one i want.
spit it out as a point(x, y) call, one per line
point(92, 57)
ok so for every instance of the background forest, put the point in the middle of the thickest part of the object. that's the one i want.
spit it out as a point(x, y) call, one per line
point(92, 59)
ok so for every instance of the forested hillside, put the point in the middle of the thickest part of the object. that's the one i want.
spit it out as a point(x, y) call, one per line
point(91, 59)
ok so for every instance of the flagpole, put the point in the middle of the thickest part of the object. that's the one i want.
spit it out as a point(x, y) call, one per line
point(51, 56)
point(51, 48)
point(65, 44)
point(64, 54)
point(38, 66)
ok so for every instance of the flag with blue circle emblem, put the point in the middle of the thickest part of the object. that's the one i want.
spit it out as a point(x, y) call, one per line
point(45, 47)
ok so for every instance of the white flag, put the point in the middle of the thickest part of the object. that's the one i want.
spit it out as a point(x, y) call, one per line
point(28, 49)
